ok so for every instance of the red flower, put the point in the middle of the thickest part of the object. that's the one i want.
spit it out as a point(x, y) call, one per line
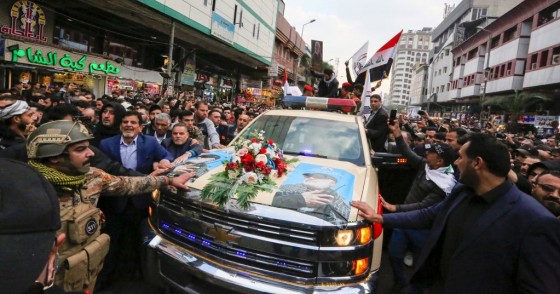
point(249, 166)
point(266, 170)
point(270, 142)
point(263, 151)
point(254, 140)
point(247, 158)
point(281, 167)
point(232, 166)
point(260, 165)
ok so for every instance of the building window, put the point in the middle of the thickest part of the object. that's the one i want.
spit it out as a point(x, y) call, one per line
point(495, 42)
point(544, 58)
point(509, 34)
point(556, 56)
point(472, 54)
point(533, 63)
point(552, 12)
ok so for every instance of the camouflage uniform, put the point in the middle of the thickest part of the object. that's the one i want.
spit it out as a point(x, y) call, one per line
point(196, 134)
point(80, 219)
point(290, 196)
point(82, 255)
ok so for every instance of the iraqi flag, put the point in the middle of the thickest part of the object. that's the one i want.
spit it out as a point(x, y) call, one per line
point(380, 63)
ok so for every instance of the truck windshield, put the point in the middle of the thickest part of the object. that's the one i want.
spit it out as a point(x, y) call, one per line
point(311, 137)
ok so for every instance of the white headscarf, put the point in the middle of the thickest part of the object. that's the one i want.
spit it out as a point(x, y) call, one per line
point(443, 177)
point(19, 107)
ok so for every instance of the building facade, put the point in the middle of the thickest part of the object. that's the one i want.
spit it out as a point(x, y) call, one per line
point(216, 45)
point(518, 51)
point(414, 47)
point(459, 23)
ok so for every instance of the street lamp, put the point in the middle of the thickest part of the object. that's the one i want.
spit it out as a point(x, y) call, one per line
point(303, 27)
point(304, 48)
point(487, 70)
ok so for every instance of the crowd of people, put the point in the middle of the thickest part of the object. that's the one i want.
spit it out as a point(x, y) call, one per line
point(481, 215)
point(94, 150)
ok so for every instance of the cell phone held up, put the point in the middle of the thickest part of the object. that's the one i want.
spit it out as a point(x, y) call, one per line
point(392, 116)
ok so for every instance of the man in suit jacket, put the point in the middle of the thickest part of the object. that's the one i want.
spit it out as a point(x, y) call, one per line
point(376, 124)
point(125, 214)
point(487, 236)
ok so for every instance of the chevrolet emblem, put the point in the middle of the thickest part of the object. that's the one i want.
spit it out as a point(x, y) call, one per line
point(221, 234)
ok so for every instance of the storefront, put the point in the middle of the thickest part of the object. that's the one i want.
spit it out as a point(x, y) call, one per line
point(46, 65)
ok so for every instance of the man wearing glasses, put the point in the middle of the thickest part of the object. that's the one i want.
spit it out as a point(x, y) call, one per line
point(547, 190)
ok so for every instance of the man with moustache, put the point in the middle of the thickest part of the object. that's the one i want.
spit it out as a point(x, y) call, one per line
point(487, 236)
point(109, 122)
point(124, 215)
point(180, 145)
point(17, 120)
point(546, 190)
point(60, 151)
point(315, 196)
point(241, 122)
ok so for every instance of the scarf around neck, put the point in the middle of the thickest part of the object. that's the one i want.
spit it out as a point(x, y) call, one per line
point(57, 178)
point(443, 177)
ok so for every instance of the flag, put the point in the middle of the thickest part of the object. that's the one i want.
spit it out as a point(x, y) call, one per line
point(286, 85)
point(365, 109)
point(359, 58)
point(380, 63)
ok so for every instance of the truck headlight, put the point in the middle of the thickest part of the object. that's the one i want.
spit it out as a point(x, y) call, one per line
point(349, 237)
point(363, 235)
point(344, 237)
point(360, 266)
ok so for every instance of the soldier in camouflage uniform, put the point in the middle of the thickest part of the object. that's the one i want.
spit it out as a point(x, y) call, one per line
point(60, 151)
point(314, 196)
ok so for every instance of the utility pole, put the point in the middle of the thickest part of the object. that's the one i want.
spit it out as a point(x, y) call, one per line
point(170, 79)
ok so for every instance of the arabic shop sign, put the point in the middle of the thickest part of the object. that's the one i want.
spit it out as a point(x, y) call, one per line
point(66, 61)
point(27, 19)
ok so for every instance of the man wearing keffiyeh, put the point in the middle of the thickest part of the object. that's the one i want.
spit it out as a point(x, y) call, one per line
point(17, 120)
point(433, 182)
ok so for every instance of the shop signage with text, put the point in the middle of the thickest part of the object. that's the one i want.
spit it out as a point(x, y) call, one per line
point(66, 62)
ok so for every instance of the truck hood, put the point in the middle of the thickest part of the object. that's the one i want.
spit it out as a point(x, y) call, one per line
point(316, 187)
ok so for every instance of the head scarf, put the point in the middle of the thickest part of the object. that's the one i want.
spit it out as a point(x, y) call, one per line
point(17, 108)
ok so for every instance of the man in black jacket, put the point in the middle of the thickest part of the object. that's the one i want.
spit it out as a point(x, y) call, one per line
point(180, 145)
point(328, 86)
point(434, 180)
point(376, 124)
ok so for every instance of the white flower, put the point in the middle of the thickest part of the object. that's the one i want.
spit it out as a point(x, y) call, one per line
point(236, 158)
point(273, 174)
point(261, 158)
point(272, 153)
point(255, 146)
point(251, 178)
point(233, 174)
point(242, 152)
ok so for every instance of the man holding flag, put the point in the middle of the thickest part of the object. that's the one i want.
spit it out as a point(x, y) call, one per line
point(378, 67)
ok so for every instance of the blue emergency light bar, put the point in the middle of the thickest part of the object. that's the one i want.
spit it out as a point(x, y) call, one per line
point(319, 103)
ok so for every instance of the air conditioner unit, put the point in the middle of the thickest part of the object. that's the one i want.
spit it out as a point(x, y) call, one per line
point(533, 66)
point(556, 59)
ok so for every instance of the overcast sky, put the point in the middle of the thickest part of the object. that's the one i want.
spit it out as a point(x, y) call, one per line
point(344, 26)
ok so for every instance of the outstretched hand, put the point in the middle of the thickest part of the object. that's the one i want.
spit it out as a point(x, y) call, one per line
point(390, 207)
point(367, 212)
point(179, 181)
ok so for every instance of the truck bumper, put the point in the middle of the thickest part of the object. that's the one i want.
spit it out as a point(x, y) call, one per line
point(168, 265)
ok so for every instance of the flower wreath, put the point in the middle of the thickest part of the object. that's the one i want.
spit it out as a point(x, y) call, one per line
point(253, 168)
